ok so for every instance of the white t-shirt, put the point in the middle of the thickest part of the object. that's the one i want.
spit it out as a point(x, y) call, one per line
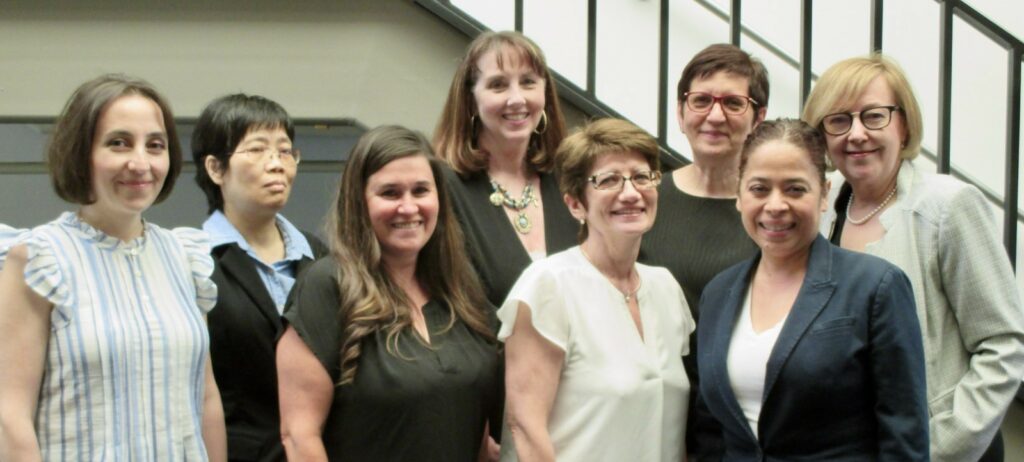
point(747, 362)
point(620, 397)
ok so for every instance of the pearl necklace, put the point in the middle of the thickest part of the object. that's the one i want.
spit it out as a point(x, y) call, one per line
point(627, 294)
point(881, 206)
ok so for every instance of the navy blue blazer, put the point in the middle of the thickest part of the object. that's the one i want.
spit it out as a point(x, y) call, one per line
point(845, 380)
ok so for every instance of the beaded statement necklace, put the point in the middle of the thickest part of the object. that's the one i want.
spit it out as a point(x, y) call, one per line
point(881, 206)
point(500, 197)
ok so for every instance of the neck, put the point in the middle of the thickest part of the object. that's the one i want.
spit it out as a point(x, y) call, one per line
point(402, 271)
point(258, 229)
point(873, 191)
point(125, 227)
point(716, 177)
point(784, 267)
point(615, 259)
point(505, 160)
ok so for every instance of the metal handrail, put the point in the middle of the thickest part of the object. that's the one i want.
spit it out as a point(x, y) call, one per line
point(587, 100)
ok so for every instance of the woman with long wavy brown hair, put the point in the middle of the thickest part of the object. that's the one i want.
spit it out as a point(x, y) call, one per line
point(499, 131)
point(389, 352)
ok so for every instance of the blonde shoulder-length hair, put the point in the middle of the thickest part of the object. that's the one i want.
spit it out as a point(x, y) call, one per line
point(846, 80)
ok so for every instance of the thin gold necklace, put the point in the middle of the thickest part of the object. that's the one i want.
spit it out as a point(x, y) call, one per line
point(627, 294)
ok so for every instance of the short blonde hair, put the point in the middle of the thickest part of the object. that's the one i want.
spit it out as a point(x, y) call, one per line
point(579, 151)
point(846, 80)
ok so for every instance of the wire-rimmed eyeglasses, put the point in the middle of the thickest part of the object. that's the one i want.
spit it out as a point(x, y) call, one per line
point(262, 153)
point(615, 180)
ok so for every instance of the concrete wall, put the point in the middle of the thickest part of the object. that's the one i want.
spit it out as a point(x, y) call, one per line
point(375, 61)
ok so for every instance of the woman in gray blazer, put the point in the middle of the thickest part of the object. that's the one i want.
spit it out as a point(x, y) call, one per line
point(939, 231)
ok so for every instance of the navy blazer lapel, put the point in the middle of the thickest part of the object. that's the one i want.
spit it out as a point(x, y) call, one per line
point(814, 294)
point(239, 265)
point(731, 307)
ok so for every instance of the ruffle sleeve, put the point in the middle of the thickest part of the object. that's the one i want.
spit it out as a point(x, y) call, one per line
point(9, 237)
point(200, 263)
point(538, 289)
point(43, 271)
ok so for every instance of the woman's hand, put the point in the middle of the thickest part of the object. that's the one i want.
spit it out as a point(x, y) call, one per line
point(25, 322)
point(306, 393)
point(533, 366)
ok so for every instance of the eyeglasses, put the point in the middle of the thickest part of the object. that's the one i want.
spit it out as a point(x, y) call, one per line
point(702, 102)
point(262, 153)
point(616, 180)
point(875, 118)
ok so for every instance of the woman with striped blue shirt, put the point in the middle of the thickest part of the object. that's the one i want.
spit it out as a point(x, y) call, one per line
point(105, 352)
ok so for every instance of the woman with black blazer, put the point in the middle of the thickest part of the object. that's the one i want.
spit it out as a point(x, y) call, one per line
point(808, 351)
point(245, 164)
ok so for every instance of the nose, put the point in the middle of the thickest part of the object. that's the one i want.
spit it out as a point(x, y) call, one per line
point(776, 203)
point(407, 205)
point(139, 161)
point(629, 193)
point(857, 131)
point(274, 162)
point(515, 95)
point(716, 113)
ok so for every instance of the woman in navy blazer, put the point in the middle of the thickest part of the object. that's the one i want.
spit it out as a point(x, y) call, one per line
point(808, 351)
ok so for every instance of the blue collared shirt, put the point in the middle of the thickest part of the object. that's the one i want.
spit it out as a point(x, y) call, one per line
point(278, 277)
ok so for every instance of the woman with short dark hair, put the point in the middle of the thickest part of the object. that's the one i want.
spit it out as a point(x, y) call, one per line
point(808, 351)
point(105, 348)
point(389, 352)
point(246, 163)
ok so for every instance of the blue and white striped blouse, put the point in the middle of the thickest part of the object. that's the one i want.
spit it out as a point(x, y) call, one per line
point(124, 373)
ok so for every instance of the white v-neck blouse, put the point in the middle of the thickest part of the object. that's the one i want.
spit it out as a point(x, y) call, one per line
point(620, 397)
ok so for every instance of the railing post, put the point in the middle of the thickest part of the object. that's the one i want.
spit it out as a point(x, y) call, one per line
point(663, 81)
point(591, 47)
point(519, 16)
point(806, 19)
point(942, 162)
point(1012, 155)
point(735, 24)
point(876, 26)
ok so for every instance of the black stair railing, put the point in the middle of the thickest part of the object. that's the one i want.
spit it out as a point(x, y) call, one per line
point(587, 100)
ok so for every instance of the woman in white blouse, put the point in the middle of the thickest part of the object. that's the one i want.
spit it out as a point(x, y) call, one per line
point(105, 354)
point(594, 340)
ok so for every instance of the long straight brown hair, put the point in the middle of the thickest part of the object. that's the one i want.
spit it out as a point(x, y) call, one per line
point(455, 137)
point(370, 300)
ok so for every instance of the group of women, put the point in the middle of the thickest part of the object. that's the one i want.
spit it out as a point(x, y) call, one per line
point(481, 297)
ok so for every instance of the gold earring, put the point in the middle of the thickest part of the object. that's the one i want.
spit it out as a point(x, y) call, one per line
point(542, 125)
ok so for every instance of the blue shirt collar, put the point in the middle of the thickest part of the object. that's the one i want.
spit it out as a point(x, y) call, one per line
point(222, 232)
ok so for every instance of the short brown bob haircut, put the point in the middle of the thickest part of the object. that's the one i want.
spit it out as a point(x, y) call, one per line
point(455, 137)
point(723, 57)
point(579, 151)
point(69, 156)
point(844, 82)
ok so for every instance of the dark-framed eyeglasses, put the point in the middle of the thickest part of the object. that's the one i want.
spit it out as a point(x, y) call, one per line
point(615, 180)
point(262, 154)
point(873, 118)
point(699, 101)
